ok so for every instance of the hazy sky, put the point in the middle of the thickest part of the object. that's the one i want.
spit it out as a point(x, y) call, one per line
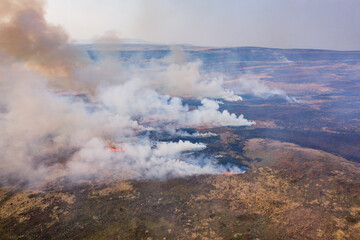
point(325, 24)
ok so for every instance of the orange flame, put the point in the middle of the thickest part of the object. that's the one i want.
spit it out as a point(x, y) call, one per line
point(228, 173)
point(115, 149)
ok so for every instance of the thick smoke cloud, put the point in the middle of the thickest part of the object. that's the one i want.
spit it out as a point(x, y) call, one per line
point(25, 35)
point(59, 112)
point(181, 78)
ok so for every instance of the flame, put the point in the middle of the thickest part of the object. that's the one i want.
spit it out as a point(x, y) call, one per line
point(228, 173)
point(115, 149)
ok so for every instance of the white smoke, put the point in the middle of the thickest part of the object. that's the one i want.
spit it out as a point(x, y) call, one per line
point(185, 79)
point(39, 126)
point(175, 148)
point(195, 134)
point(46, 131)
point(252, 85)
point(139, 160)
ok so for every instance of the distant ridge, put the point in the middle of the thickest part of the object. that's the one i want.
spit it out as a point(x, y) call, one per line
point(133, 42)
point(138, 41)
point(121, 41)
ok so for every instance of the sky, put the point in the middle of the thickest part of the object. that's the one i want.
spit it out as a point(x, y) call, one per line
point(321, 24)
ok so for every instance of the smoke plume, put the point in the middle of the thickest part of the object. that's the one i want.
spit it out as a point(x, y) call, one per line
point(61, 112)
point(252, 85)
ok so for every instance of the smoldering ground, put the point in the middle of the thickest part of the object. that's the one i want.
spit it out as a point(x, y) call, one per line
point(47, 132)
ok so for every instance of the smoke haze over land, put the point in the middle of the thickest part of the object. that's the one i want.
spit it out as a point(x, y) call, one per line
point(59, 110)
point(320, 24)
